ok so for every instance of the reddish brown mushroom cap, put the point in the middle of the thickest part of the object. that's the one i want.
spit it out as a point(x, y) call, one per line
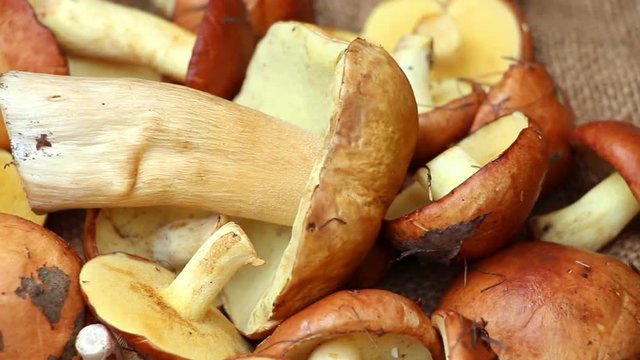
point(265, 13)
point(618, 143)
point(40, 297)
point(463, 339)
point(188, 14)
point(547, 301)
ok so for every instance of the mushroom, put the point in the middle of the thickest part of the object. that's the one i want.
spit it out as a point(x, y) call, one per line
point(31, 47)
point(472, 40)
point(527, 87)
point(164, 316)
point(167, 235)
point(472, 198)
point(210, 157)
point(95, 342)
point(603, 212)
point(85, 67)
point(359, 324)
point(13, 200)
point(463, 339)
point(214, 61)
point(547, 301)
point(42, 307)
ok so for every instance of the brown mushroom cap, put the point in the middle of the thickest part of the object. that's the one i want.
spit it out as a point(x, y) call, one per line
point(40, 297)
point(618, 143)
point(265, 13)
point(528, 87)
point(372, 311)
point(547, 301)
point(188, 14)
point(463, 339)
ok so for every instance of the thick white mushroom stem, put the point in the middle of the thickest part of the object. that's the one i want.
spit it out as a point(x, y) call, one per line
point(592, 221)
point(95, 342)
point(96, 143)
point(413, 54)
point(101, 29)
point(195, 289)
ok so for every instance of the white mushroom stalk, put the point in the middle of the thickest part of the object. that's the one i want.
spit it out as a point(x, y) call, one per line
point(592, 221)
point(101, 29)
point(445, 32)
point(413, 54)
point(95, 342)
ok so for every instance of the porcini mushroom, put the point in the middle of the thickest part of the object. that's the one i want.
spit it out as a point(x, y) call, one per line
point(13, 200)
point(31, 47)
point(463, 339)
point(333, 207)
point(547, 301)
point(214, 61)
point(39, 292)
point(528, 87)
point(360, 324)
point(603, 212)
point(473, 197)
point(165, 316)
point(472, 39)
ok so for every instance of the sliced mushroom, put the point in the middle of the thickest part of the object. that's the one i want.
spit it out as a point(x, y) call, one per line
point(41, 302)
point(463, 339)
point(528, 87)
point(95, 342)
point(164, 316)
point(547, 301)
point(603, 212)
point(215, 61)
point(472, 198)
point(364, 324)
point(13, 200)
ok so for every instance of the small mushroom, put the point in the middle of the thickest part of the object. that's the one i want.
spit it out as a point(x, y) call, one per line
point(41, 302)
point(360, 324)
point(472, 198)
point(463, 339)
point(95, 342)
point(214, 61)
point(13, 200)
point(540, 300)
point(528, 87)
point(164, 316)
point(603, 212)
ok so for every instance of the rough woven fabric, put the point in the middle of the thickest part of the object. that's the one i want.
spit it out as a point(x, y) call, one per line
point(590, 46)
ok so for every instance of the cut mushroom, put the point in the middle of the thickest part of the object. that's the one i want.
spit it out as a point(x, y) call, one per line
point(215, 61)
point(167, 235)
point(546, 301)
point(210, 156)
point(165, 316)
point(13, 200)
point(41, 302)
point(528, 87)
point(472, 39)
point(602, 213)
point(95, 342)
point(463, 339)
point(30, 47)
point(364, 324)
point(472, 198)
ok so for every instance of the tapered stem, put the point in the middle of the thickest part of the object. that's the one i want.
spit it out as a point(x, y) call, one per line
point(94, 143)
point(413, 54)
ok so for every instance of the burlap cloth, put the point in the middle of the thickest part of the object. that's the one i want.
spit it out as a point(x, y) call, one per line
point(592, 47)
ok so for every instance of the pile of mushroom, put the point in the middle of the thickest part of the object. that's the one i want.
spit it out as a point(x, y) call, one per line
point(231, 214)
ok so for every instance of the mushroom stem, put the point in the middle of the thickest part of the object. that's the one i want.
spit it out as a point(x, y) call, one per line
point(95, 342)
point(592, 221)
point(196, 287)
point(413, 54)
point(445, 33)
point(101, 29)
point(134, 143)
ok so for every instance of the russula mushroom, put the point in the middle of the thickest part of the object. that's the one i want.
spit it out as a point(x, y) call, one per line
point(167, 235)
point(13, 200)
point(547, 301)
point(472, 39)
point(42, 307)
point(165, 316)
point(31, 47)
point(528, 87)
point(473, 197)
point(358, 324)
point(463, 339)
point(333, 207)
point(95, 342)
point(214, 61)
point(603, 212)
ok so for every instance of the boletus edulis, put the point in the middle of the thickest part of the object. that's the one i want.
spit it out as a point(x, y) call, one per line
point(473, 197)
point(603, 212)
point(162, 315)
point(358, 324)
point(40, 298)
point(540, 300)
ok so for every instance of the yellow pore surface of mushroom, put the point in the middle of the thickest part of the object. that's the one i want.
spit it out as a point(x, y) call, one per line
point(99, 68)
point(367, 346)
point(13, 200)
